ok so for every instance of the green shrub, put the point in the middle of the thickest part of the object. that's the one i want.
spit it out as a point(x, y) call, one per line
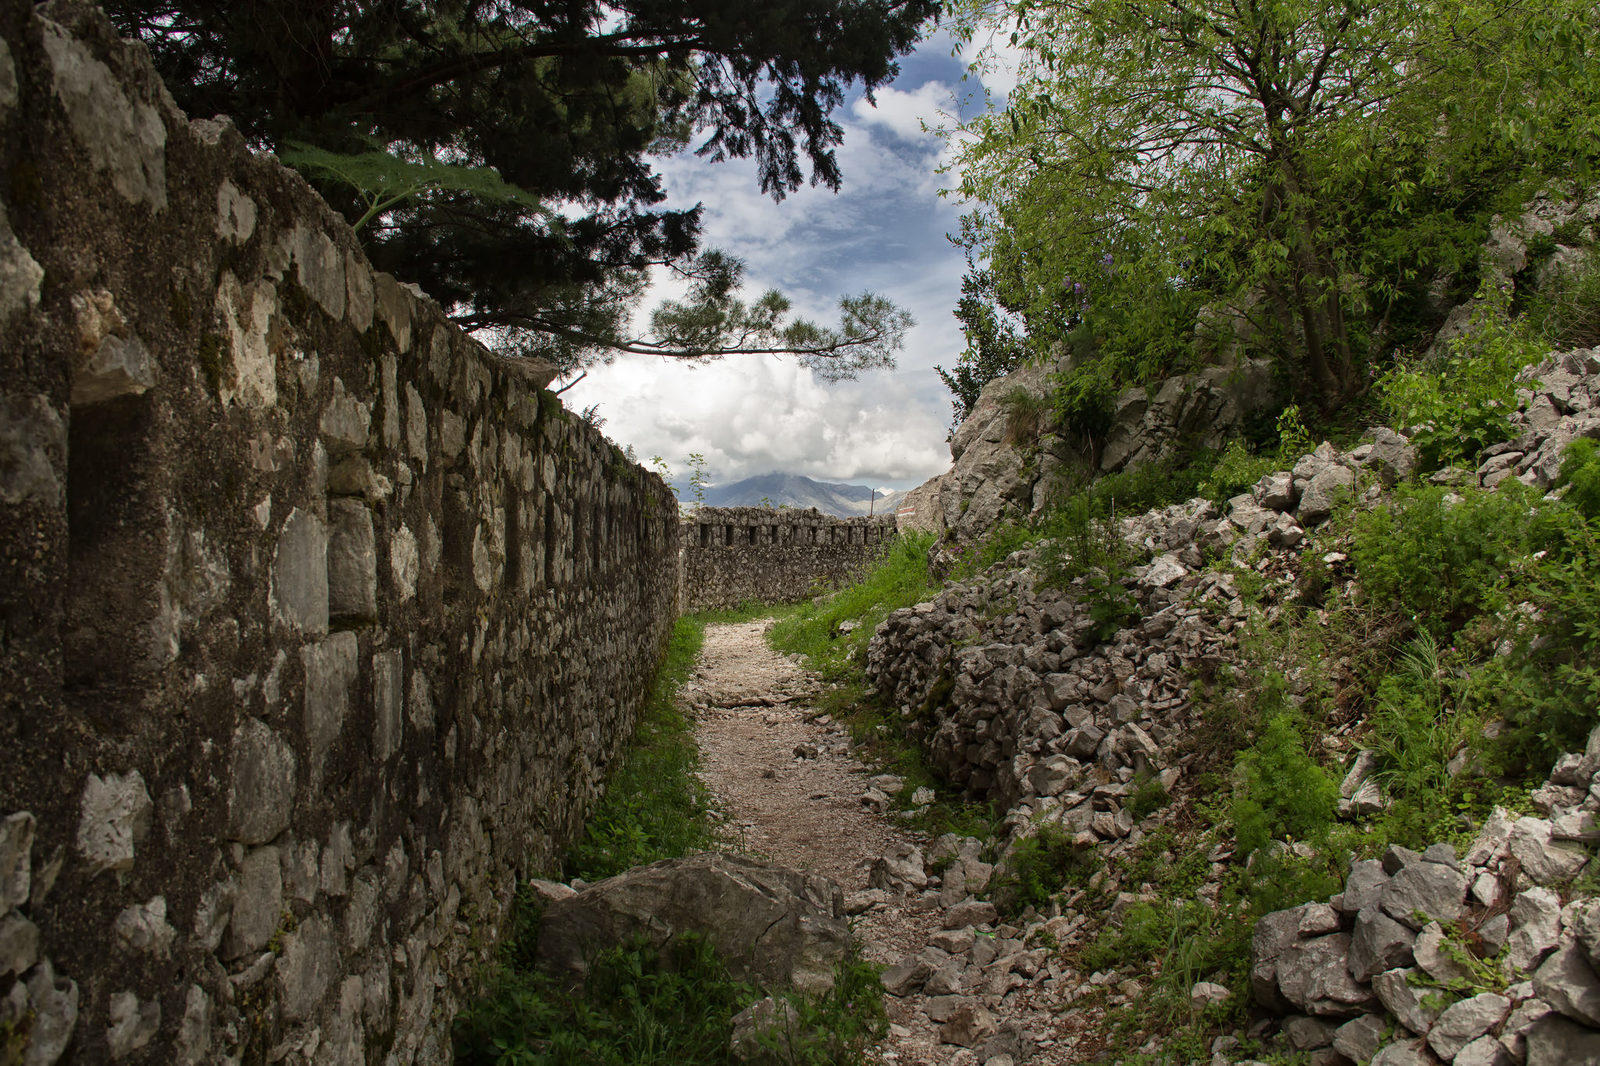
point(1236, 471)
point(1279, 878)
point(1441, 559)
point(1284, 793)
point(1421, 721)
point(634, 1009)
point(1547, 688)
point(1038, 867)
point(1580, 473)
point(1148, 796)
point(1458, 406)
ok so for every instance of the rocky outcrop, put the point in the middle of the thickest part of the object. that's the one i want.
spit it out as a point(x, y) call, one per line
point(1560, 403)
point(776, 927)
point(1023, 697)
point(1006, 458)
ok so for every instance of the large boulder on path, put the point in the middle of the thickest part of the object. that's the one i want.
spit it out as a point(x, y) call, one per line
point(776, 927)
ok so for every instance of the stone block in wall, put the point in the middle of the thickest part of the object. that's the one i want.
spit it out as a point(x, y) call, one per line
point(300, 573)
point(330, 670)
point(352, 562)
point(263, 774)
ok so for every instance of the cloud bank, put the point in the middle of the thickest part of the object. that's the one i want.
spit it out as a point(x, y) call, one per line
point(884, 232)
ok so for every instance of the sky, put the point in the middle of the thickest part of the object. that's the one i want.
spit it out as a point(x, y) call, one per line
point(885, 231)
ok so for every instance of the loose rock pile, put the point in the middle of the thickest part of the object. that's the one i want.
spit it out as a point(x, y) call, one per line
point(1390, 969)
point(1018, 701)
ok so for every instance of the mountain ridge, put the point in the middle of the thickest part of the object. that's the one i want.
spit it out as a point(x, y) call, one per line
point(839, 499)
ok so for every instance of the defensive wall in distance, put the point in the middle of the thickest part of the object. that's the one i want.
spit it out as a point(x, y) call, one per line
point(735, 554)
point(319, 623)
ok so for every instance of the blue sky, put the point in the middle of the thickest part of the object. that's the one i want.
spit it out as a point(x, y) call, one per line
point(884, 231)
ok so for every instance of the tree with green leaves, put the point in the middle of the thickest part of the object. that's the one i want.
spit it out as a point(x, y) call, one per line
point(1310, 167)
point(993, 347)
point(498, 152)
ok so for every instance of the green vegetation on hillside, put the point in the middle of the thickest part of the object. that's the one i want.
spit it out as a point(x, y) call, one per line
point(1175, 182)
point(1453, 633)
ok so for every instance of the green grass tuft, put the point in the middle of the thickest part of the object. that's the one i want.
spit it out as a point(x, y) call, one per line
point(655, 807)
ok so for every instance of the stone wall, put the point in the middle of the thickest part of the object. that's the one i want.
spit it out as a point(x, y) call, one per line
point(735, 554)
point(319, 622)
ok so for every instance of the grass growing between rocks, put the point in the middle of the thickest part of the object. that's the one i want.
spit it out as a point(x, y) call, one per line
point(833, 631)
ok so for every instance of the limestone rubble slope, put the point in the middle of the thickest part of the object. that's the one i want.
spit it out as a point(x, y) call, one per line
point(1018, 701)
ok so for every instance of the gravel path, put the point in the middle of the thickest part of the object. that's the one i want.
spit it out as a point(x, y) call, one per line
point(792, 789)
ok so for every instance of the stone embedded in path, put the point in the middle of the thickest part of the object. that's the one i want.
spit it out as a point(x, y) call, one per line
point(757, 1025)
point(902, 871)
point(969, 1026)
point(906, 976)
point(1404, 1053)
point(1359, 1038)
point(779, 927)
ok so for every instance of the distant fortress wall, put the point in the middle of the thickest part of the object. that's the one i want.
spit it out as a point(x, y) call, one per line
point(736, 554)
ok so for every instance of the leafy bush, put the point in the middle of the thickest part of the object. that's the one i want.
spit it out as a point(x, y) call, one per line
point(1423, 718)
point(1580, 473)
point(1455, 408)
point(1038, 867)
point(1440, 559)
point(1284, 793)
point(1547, 688)
point(634, 1009)
point(1235, 471)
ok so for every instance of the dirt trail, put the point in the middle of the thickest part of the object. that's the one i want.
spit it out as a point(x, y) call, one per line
point(793, 792)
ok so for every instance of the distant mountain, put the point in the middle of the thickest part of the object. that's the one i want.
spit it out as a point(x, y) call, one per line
point(796, 490)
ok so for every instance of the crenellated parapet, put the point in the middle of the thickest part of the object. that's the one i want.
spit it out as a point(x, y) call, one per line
point(733, 555)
